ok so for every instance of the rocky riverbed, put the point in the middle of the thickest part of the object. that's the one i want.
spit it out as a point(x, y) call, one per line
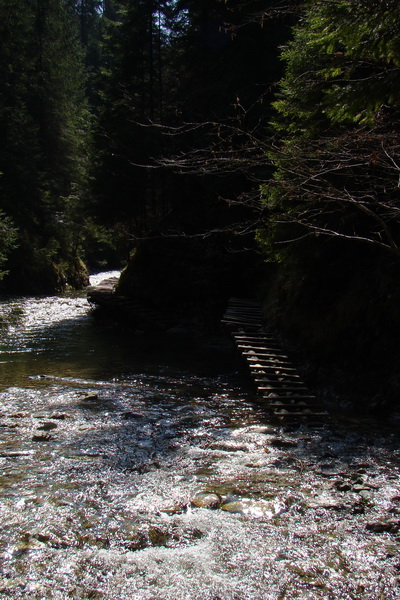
point(133, 474)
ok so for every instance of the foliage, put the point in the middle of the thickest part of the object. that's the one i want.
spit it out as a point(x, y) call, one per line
point(44, 127)
point(337, 159)
point(8, 240)
point(12, 316)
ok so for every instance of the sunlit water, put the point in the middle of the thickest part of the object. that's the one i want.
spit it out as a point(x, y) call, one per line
point(142, 468)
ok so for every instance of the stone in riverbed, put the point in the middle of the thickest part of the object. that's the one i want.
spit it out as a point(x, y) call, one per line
point(206, 500)
point(60, 416)
point(90, 397)
point(389, 526)
point(173, 509)
point(47, 426)
point(234, 506)
point(45, 437)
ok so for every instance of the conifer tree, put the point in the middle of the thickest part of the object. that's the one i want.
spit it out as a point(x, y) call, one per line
point(44, 124)
point(337, 113)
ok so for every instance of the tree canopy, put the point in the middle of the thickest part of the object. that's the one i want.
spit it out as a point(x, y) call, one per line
point(125, 121)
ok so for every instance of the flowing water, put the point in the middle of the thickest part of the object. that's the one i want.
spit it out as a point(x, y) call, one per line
point(141, 468)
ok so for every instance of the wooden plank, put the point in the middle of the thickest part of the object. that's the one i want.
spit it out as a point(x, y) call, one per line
point(282, 389)
point(319, 417)
point(278, 383)
point(308, 402)
point(271, 377)
point(255, 348)
point(244, 301)
point(291, 399)
point(274, 368)
point(271, 355)
point(257, 335)
point(268, 363)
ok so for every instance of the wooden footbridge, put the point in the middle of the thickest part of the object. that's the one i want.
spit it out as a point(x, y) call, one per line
point(278, 384)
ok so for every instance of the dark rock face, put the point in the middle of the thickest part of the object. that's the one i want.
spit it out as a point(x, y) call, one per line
point(188, 277)
point(42, 276)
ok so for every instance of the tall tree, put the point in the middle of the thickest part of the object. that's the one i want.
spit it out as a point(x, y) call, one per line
point(332, 211)
point(131, 97)
point(43, 120)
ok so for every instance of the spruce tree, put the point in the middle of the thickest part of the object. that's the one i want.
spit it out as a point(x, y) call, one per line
point(44, 124)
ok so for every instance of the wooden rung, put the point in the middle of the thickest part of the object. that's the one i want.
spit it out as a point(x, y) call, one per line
point(255, 351)
point(248, 339)
point(282, 389)
point(305, 414)
point(255, 337)
point(244, 301)
point(257, 355)
point(247, 313)
point(264, 334)
point(273, 367)
point(268, 364)
point(259, 342)
point(306, 402)
point(278, 394)
point(243, 311)
point(268, 377)
point(263, 348)
point(242, 318)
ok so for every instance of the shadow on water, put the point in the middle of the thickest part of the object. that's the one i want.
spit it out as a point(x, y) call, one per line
point(84, 346)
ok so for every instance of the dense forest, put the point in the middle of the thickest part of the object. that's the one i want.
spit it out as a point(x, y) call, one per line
point(212, 148)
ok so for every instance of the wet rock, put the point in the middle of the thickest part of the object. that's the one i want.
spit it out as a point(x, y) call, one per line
point(206, 500)
point(40, 536)
point(358, 508)
point(60, 416)
point(158, 536)
point(265, 429)
point(45, 437)
point(283, 443)
point(342, 486)
point(383, 526)
point(228, 447)
point(327, 502)
point(253, 507)
point(19, 415)
point(131, 415)
point(173, 509)
point(361, 488)
point(90, 397)
point(390, 550)
point(14, 454)
point(96, 541)
point(329, 470)
point(259, 464)
point(234, 506)
point(40, 415)
point(47, 426)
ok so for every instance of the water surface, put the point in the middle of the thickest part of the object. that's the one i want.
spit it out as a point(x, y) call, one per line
point(141, 468)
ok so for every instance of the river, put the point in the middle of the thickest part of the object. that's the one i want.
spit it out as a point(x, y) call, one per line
point(142, 468)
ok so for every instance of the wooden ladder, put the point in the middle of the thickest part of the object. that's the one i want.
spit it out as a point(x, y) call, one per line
point(278, 384)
